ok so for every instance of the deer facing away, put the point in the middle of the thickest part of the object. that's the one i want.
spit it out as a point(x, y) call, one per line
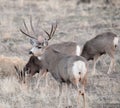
point(104, 43)
point(69, 69)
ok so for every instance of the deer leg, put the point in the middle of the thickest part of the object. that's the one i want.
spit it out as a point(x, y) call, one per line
point(41, 74)
point(84, 100)
point(112, 66)
point(76, 83)
point(94, 64)
point(29, 86)
point(83, 82)
point(78, 100)
point(60, 94)
point(38, 80)
point(83, 92)
point(112, 63)
point(60, 90)
point(68, 96)
point(46, 81)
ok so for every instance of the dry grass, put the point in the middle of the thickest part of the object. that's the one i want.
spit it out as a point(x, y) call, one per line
point(9, 85)
point(4, 105)
point(75, 23)
point(7, 65)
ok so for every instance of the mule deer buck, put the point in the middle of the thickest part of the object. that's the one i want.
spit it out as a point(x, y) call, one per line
point(104, 43)
point(69, 69)
point(65, 48)
point(40, 42)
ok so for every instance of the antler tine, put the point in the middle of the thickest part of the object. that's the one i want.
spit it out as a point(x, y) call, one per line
point(28, 34)
point(25, 26)
point(51, 31)
point(54, 30)
point(37, 25)
point(49, 35)
point(32, 25)
point(38, 22)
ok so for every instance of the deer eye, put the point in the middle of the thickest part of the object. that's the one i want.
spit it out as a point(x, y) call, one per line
point(42, 43)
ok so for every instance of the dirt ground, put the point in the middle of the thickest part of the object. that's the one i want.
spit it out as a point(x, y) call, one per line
point(75, 23)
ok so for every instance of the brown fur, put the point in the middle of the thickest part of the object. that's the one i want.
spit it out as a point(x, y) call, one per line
point(59, 65)
point(101, 44)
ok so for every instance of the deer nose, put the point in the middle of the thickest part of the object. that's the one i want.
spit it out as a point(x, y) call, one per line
point(30, 52)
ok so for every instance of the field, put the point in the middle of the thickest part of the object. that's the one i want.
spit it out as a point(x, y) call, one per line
point(75, 23)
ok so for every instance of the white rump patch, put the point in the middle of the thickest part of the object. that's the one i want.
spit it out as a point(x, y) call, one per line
point(78, 50)
point(79, 66)
point(115, 41)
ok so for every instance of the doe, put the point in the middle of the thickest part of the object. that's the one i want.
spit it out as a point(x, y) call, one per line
point(104, 43)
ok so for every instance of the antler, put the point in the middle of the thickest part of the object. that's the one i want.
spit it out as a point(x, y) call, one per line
point(52, 32)
point(28, 34)
point(32, 25)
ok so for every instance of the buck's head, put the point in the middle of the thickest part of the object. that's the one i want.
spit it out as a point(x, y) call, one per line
point(38, 42)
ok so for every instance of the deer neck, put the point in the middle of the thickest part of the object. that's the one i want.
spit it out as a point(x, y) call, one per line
point(43, 61)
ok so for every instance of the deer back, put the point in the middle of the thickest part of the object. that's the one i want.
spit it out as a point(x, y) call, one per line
point(101, 44)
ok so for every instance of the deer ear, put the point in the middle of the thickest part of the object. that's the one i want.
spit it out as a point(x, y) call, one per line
point(33, 41)
point(45, 42)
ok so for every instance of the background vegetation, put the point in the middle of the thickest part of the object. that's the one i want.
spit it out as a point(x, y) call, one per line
point(77, 21)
